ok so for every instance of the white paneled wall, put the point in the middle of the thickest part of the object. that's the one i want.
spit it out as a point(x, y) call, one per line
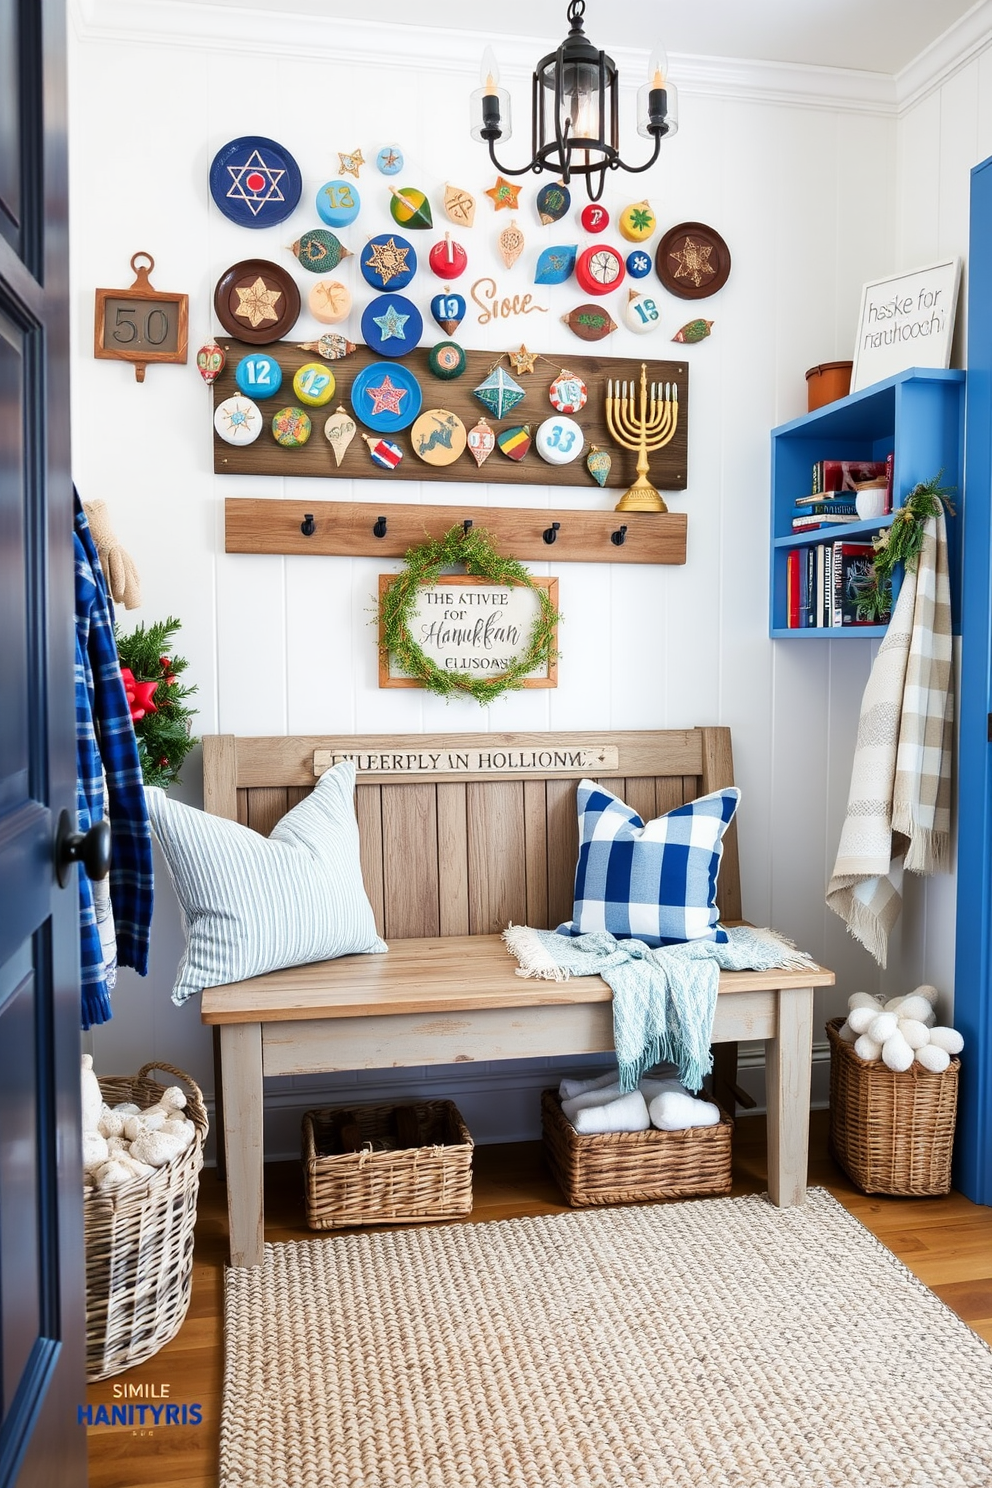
point(812, 200)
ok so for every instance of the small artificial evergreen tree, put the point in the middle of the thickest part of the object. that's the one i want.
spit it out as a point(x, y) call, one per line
point(157, 699)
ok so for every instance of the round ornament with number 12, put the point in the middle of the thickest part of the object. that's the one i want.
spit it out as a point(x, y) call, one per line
point(641, 313)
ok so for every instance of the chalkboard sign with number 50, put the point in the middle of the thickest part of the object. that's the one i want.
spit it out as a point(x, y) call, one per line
point(141, 324)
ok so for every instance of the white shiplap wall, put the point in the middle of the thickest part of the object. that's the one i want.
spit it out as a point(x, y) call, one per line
point(808, 179)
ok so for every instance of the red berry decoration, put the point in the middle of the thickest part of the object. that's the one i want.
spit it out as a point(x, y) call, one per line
point(594, 218)
point(600, 269)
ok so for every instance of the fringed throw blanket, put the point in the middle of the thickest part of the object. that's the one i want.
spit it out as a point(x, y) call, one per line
point(899, 801)
point(664, 999)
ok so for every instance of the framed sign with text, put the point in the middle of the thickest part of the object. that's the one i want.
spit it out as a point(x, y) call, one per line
point(140, 324)
point(469, 626)
point(906, 320)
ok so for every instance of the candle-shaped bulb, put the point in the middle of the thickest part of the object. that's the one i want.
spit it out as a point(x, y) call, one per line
point(658, 67)
point(489, 71)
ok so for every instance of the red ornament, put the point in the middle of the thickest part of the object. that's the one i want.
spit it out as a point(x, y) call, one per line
point(599, 269)
point(594, 218)
point(139, 695)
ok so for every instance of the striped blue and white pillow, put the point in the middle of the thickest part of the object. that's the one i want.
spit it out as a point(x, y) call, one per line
point(253, 904)
point(653, 881)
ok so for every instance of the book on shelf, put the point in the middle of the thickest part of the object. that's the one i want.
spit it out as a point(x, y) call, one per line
point(807, 594)
point(849, 475)
point(792, 589)
point(852, 566)
point(840, 502)
point(823, 519)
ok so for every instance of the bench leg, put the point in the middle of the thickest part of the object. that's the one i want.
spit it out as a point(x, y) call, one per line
point(241, 1051)
point(788, 1063)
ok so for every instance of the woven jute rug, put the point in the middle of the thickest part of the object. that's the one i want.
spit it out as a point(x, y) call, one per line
point(715, 1344)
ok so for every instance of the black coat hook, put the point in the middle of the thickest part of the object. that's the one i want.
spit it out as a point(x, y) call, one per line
point(465, 528)
point(619, 537)
point(551, 533)
point(379, 529)
point(308, 526)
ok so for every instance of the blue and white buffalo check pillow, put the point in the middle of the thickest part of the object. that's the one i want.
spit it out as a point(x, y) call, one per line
point(653, 881)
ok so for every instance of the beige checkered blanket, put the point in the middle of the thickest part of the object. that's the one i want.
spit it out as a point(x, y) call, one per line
point(899, 801)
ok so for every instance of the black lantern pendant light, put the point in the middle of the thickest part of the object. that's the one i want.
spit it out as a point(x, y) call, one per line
point(575, 110)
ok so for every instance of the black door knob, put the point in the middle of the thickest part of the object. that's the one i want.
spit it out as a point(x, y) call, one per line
point(91, 848)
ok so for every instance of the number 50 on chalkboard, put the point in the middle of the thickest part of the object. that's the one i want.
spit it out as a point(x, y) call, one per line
point(141, 324)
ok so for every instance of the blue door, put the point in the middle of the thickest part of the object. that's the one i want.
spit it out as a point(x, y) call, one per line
point(41, 1250)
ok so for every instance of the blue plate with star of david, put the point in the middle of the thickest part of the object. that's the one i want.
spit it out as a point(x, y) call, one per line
point(255, 181)
point(386, 397)
point(391, 325)
point(388, 261)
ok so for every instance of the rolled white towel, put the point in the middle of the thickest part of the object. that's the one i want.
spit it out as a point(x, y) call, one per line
point(628, 1113)
point(568, 1089)
point(671, 1111)
point(650, 1088)
point(590, 1098)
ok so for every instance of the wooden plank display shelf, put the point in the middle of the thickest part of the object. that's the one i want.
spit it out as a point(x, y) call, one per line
point(265, 457)
point(350, 529)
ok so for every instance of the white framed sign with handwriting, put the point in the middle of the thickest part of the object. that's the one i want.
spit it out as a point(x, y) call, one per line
point(906, 320)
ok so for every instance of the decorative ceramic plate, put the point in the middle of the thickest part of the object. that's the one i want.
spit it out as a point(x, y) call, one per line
point(438, 436)
point(388, 261)
point(386, 397)
point(255, 181)
point(391, 325)
point(692, 261)
point(257, 301)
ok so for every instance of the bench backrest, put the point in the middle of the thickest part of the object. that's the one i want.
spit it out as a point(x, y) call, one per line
point(463, 833)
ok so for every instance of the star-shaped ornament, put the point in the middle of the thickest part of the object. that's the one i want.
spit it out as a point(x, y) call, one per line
point(504, 194)
point(255, 183)
point(350, 164)
point(522, 360)
point(389, 160)
point(387, 261)
point(391, 324)
point(257, 303)
point(694, 262)
point(385, 397)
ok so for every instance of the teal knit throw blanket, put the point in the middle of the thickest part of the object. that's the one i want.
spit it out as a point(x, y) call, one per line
point(663, 1000)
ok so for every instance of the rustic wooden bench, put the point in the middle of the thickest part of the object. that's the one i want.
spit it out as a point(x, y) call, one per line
point(462, 834)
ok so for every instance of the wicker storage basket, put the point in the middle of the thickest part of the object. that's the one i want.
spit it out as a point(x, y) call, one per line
point(624, 1167)
point(139, 1242)
point(891, 1133)
point(396, 1186)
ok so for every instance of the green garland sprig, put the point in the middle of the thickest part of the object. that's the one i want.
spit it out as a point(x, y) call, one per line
point(424, 565)
point(164, 738)
point(901, 543)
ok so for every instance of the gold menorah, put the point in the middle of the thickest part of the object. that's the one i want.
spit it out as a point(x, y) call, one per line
point(648, 429)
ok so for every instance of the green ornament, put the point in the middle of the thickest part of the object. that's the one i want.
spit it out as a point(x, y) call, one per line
point(446, 360)
point(599, 463)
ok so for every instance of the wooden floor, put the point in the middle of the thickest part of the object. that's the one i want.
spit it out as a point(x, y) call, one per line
point(946, 1242)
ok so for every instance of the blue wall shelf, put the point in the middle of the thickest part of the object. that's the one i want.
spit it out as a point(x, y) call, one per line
point(918, 416)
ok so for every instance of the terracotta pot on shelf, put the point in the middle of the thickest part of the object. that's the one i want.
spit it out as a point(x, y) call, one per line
point(827, 382)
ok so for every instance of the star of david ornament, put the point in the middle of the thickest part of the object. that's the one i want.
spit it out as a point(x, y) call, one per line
point(339, 430)
point(255, 181)
point(351, 164)
point(459, 206)
point(388, 260)
point(500, 393)
point(555, 265)
point(383, 452)
point(504, 194)
point(448, 310)
point(392, 325)
point(319, 250)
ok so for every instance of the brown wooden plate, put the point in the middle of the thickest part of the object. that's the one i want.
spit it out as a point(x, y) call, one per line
point(692, 261)
point(257, 301)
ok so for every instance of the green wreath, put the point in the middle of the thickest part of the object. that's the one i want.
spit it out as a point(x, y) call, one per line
point(424, 564)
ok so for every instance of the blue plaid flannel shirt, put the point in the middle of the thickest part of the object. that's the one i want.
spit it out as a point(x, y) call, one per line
point(106, 745)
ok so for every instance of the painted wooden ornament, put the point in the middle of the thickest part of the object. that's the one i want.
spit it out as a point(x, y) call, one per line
point(555, 265)
point(410, 208)
point(693, 331)
point(641, 313)
point(313, 384)
point(350, 163)
point(255, 181)
point(339, 430)
point(637, 222)
point(523, 360)
point(559, 441)
point(210, 362)
point(329, 301)
point(500, 393)
point(459, 206)
point(258, 376)
point(594, 218)
point(447, 259)
point(638, 264)
point(553, 201)
point(319, 250)
point(568, 393)
point(438, 437)
point(238, 420)
point(331, 346)
point(589, 322)
point(389, 161)
point(600, 269)
point(511, 244)
point(383, 451)
point(392, 325)
point(446, 360)
point(599, 463)
point(388, 261)
point(504, 195)
point(481, 442)
point(448, 310)
point(514, 443)
point(291, 427)
point(338, 203)
point(386, 397)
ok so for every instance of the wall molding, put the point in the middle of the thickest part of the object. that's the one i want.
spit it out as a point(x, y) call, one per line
point(959, 46)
